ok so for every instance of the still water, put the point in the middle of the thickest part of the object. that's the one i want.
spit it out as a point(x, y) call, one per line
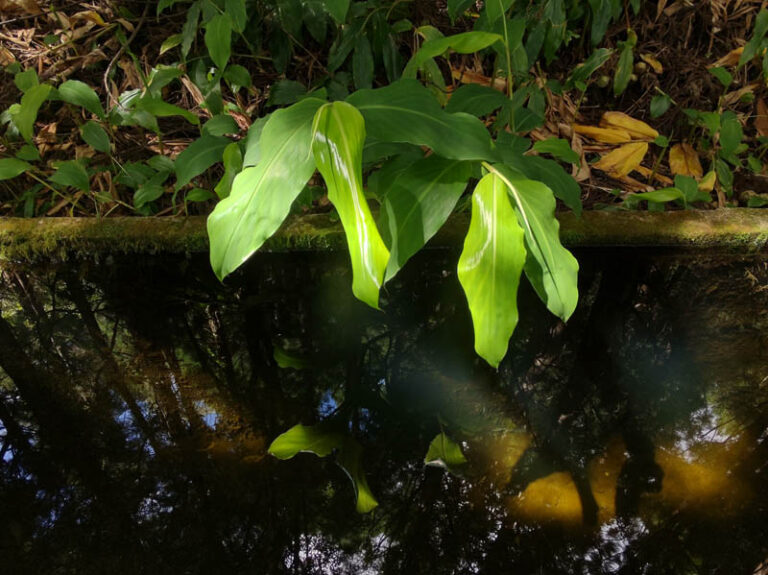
point(138, 398)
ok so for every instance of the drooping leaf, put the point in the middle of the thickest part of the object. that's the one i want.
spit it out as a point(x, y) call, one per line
point(11, 167)
point(198, 157)
point(418, 203)
point(490, 266)
point(26, 115)
point(406, 111)
point(323, 442)
point(476, 100)
point(81, 94)
point(95, 136)
point(218, 39)
point(337, 145)
point(558, 148)
point(71, 174)
point(446, 453)
point(261, 196)
point(551, 269)
point(463, 43)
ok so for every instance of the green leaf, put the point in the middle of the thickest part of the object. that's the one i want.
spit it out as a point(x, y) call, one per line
point(80, 94)
point(495, 9)
point(625, 65)
point(731, 133)
point(252, 153)
point(147, 193)
point(162, 109)
point(723, 76)
point(11, 167)
point(24, 118)
point(407, 112)
point(558, 148)
point(26, 79)
point(754, 44)
point(29, 153)
point(724, 176)
point(584, 71)
point(71, 174)
point(218, 39)
point(286, 92)
point(551, 269)
point(456, 7)
point(490, 266)
point(323, 442)
point(337, 9)
point(464, 43)
point(418, 203)
point(95, 136)
point(362, 63)
point(198, 157)
point(233, 164)
point(237, 77)
point(337, 145)
point(476, 100)
point(660, 103)
point(170, 43)
point(219, 125)
point(160, 77)
point(236, 11)
point(757, 202)
point(261, 196)
point(446, 453)
point(189, 31)
point(198, 195)
point(661, 196)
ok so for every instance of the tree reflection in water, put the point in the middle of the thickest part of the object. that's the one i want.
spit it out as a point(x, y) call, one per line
point(138, 399)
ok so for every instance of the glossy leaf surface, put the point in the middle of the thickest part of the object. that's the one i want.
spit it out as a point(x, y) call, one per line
point(407, 112)
point(418, 203)
point(261, 196)
point(337, 145)
point(490, 266)
point(551, 269)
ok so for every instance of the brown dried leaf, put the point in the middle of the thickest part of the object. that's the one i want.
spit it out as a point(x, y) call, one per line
point(730, 59)
point(20, 7)
point(605, 135)
point(647, 172)
point(623, 160)
point(637, 129)
point(6, 56)
point(684, 160)
point(653, 63)
point(761, 119)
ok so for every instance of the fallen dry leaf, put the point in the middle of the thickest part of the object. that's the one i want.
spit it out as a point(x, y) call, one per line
point(761, 119)
point(684, 160)
point(19, 7)
point(653, 63)
point(6, 56)
point(605, 135)
point(647, 172)
point(622, 160)
point(707, 183)
point(730, 59)
point(637, 130)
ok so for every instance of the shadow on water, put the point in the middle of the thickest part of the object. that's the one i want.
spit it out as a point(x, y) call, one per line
point(138, 399)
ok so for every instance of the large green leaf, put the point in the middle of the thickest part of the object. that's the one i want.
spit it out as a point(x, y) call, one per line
point(25, 117)
point(261, 196)
point(323, 442)
point(406, 111)
point(81, 94)
point(490, 266)
point(418, 203)
point(551, 269)
point(464, 43)
point(337, 144)
point(11, 167)
point(218, 39)
point(198, 157)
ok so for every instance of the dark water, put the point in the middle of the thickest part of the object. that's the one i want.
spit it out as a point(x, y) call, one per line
point(138, 398)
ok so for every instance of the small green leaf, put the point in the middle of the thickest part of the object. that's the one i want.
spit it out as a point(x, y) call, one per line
point(162, 109)
point(29, 153)
point(660, 103)
point(623, 71)
point(218, 39)
point(26, 115)
point(463, 43)
point(219, 125)
point(170, 43)
point(754, 44)
point(11, 167)
point(189, 31)
point(147, 193)
point(237, 77)
point(26, 79)
point(198, 195)
point(490, 266)
point(236, 11)
point(757, 202)
point(71, 174)
point(338, 136)
point(723, 75)
point(95, 136)
point(198, 157)
point(584, 71)
point(731, 133)
point(558, 148)
point(496, 9)
point(80, 94)
point(233, 164)
point(446, 453)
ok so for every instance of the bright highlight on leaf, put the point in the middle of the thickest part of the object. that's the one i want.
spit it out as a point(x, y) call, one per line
point(337, 145)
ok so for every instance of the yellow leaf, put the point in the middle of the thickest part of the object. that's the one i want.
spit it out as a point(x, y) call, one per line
point(623, 160)
point(647, 172)
point(707, 183)
point(730, 59)
point(684, 160)
point(605, 135)
point(653, 63)
point(637, 130)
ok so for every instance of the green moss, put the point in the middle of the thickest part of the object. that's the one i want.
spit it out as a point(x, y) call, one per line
point(735, 230)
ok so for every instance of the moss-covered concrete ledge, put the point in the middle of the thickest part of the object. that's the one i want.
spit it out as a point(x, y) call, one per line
point(739, 230)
